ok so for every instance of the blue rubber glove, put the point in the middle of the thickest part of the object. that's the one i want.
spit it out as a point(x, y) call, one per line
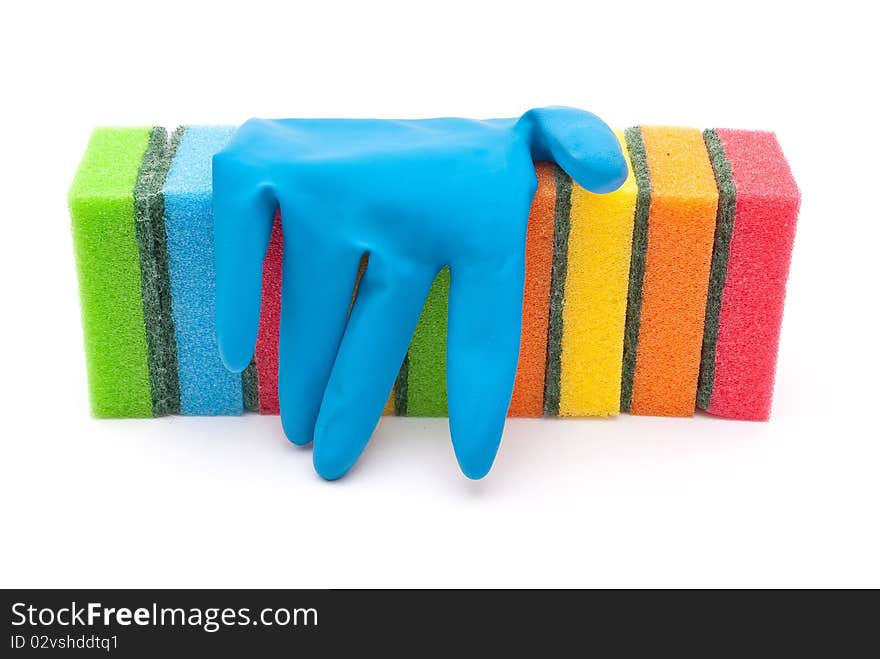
point(415, 196)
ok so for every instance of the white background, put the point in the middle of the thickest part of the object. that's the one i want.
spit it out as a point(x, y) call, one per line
point(627, 502)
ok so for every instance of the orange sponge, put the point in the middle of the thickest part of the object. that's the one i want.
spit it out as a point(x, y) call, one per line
point(681, 227)
point(528, 391)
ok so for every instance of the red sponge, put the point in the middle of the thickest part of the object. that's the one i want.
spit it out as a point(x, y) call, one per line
point(767, 203)
point(266, 354)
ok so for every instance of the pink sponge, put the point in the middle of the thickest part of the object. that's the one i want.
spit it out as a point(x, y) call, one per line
point(266, 353)
point(750, 318)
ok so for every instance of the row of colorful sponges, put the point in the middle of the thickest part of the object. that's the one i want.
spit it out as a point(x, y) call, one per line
point(663, 296)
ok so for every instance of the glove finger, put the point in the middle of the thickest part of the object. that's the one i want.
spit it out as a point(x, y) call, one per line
point(482, 348)
point(377, 336)
point(243, 212)
point(318, 278)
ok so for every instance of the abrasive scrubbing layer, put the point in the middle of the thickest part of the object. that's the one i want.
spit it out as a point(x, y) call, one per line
point(720, 253)
point(749, 323)
point(681, 229)
point(638, 159)
point(594, 310)
point(528, 389)
point(155, 278)
point(250, 388)
point(206, 386)
point(400, 390)
point(102, 210)
point(562, 226)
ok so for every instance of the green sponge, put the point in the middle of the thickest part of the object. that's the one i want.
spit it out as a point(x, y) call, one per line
point(102, 211)
point(425, 365)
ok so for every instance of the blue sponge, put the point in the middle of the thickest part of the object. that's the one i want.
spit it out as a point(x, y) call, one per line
point(206, 386)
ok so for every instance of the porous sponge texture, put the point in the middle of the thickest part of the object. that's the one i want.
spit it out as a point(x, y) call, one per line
point(681, 229)
point(767, 204)
point(705, 240)
point(594, 311)
point(266, 354)
point(528, 389)
point(206, 386)
point(102, 210)
point(426, 359)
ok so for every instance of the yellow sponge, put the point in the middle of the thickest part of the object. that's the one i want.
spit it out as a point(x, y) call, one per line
point(594, 311)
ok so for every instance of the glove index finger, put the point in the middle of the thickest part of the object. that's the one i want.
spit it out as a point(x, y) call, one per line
point(244, 207)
